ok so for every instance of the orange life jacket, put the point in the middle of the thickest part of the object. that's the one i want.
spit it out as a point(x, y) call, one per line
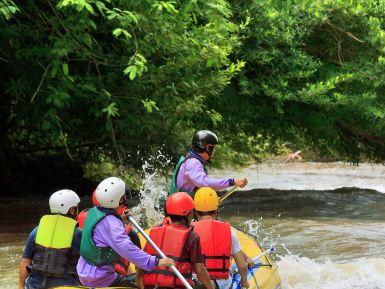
point(171, 240)
point(215, 239)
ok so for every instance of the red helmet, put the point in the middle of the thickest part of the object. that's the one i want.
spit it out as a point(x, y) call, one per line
point(94, 200)
point(179, 204)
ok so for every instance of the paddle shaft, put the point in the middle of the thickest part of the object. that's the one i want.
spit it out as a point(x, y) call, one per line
point(228, 194)
point(177, 273)
point(263, 254)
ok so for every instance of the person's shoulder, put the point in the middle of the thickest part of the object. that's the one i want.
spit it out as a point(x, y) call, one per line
point(33, 233)
point(233, 233)
point(224, 224)
point(235, 241)
point(193, 162)
point(112, 220)
point(32, 236)
point(110, 216)
point(193, 236)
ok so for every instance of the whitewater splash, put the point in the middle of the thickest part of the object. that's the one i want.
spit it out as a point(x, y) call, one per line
point(296, 271)
point(267, 237)
point(153, 192)
point(303, 273)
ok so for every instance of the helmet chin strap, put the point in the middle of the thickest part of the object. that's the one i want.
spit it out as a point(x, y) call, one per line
point(209, 152)
point(74, 213)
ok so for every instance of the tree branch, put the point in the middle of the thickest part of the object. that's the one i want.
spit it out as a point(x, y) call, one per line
point(41, 82)
point(344, 32)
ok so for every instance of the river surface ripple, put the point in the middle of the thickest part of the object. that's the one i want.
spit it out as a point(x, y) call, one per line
point(326, 220)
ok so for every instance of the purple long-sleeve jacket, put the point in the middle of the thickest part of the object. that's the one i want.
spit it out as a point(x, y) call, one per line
point(110, 232)
point(192, 175)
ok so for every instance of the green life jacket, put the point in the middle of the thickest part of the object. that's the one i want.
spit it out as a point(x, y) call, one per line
point(173, 187)
point(93, 255)
point(53, 253)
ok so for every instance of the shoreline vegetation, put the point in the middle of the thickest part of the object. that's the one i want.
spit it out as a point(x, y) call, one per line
point(87, 84)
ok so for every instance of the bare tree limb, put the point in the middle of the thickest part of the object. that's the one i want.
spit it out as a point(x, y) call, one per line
point(41, 82)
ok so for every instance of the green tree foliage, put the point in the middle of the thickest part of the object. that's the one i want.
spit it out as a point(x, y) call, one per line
point(121, 76)
point(7, 9)
point(116, 80)
point(313, 75)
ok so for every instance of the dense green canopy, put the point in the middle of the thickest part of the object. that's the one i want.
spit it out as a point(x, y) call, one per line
point(117, 80)
point(313, 75)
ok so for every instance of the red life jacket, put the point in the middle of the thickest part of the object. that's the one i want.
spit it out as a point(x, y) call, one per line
point(215, 239)
point(171, 240)
point(82, 217)
point(121, 267)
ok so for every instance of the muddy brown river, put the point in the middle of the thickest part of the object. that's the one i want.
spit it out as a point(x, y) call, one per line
point(327, 222)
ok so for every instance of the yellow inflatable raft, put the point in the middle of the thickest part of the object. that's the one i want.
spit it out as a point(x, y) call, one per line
point(264, 275)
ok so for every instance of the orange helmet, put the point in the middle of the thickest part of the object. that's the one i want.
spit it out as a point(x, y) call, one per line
point(179, 204)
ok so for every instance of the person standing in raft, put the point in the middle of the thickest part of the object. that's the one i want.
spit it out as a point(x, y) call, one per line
point(177, 240)
point(219, 241)
point(105, 240)
point(122, 267)
point(190, 173)
point(52, 250)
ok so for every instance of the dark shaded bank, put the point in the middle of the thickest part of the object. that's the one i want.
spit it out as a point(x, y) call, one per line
point(23, 175)
point(22, 214)
point(351, 203)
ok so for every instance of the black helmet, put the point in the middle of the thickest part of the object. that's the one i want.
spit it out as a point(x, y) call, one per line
point(203, 138)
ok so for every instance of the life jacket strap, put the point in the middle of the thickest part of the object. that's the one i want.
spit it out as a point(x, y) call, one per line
point(168, 273)
point(178, 259)
point(224, 258)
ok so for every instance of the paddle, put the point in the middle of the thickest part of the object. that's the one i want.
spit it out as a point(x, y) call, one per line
point(177, 273)
point(263, 254)
point(228, 194)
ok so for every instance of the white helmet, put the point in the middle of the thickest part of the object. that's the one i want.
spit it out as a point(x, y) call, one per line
point(61, 201)
point(109, 192)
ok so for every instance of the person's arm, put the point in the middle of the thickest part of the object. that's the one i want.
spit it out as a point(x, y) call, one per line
point(203, 275)
point(23, 273)
point(196, 173)
point(242, 268)
point(139, 278)
point(118, 240)
point(248, 260)
point(196, 259)
point(239, 257)
point(27, 257)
